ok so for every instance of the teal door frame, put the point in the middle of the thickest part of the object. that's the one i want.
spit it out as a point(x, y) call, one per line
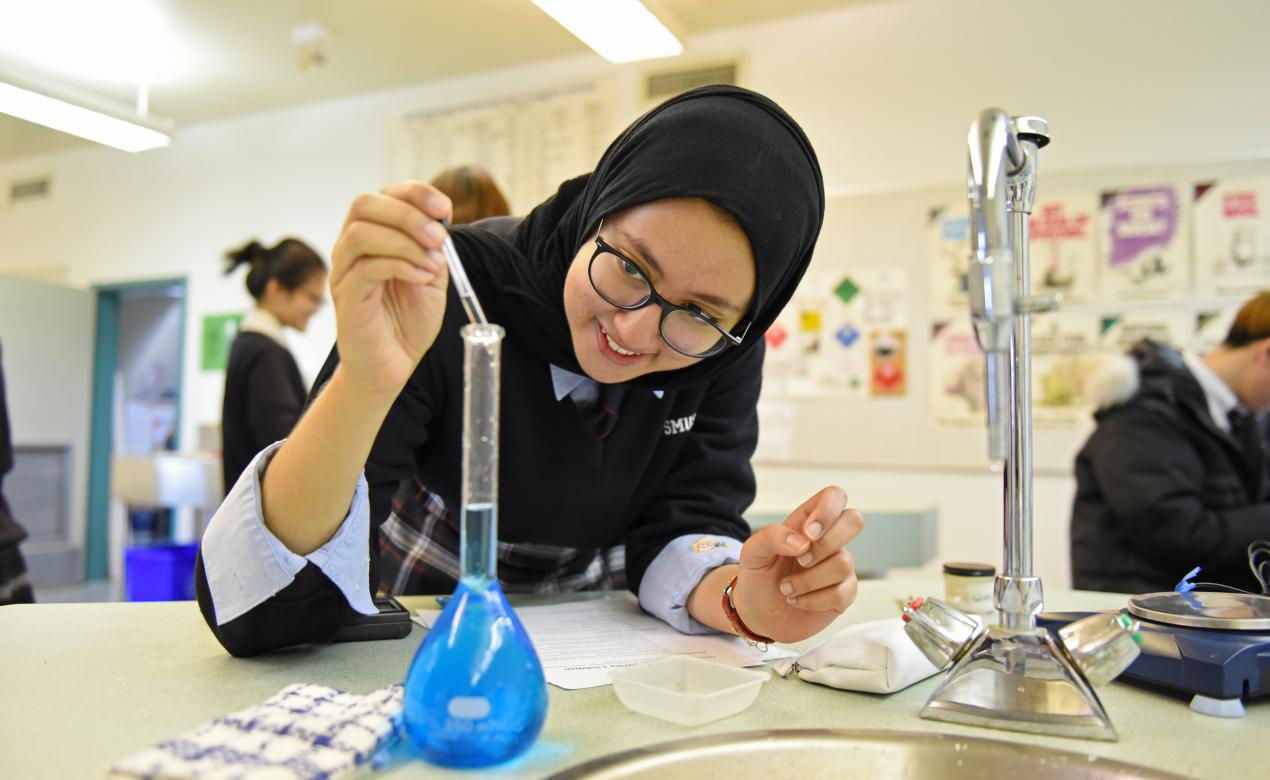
point(101, 443)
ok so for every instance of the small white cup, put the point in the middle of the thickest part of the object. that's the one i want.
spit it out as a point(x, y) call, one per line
point(687, 690)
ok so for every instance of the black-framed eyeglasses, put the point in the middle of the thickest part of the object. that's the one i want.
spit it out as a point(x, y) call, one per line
point(686, 329)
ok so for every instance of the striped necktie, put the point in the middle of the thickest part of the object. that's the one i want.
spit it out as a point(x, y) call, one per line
point(600, 407)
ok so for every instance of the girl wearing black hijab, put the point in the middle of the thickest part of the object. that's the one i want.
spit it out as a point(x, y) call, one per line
point(635, 302)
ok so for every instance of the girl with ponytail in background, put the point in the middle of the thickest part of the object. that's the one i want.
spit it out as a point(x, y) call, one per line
point(264, 393)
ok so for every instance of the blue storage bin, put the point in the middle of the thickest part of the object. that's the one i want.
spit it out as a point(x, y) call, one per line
point(161, 572)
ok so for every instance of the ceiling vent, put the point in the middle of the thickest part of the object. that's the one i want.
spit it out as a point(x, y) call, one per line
point(665, 84)
point(27, 190)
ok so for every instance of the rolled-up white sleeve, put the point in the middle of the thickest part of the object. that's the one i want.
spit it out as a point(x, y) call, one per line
point(246, 564)
point(677, 570)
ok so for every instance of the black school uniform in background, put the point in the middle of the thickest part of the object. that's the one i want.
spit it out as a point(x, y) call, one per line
point(15, 582)
point(264, 395)
point(1160, 488)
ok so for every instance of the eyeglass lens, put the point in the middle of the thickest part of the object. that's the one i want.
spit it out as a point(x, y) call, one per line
point(622, 284)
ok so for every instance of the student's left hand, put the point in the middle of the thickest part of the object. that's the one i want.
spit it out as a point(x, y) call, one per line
point(795, 577)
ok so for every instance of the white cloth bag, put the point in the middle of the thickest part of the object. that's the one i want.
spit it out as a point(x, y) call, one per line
point(875, 657)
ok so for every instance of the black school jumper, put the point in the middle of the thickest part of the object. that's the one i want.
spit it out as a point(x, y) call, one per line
point(264, 395)
point(672, 466)
point(15, 581)
point(1161, 489)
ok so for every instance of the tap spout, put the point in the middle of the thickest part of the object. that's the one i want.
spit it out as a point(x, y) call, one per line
point(994, 154)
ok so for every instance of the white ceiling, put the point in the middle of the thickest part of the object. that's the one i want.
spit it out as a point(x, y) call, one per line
point(230, 57)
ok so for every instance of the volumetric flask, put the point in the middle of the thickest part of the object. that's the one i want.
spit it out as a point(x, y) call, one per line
point(475, 694)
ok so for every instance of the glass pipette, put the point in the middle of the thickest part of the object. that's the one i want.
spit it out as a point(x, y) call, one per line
point(475, 314)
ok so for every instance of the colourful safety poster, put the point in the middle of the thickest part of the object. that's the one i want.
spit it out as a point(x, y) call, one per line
point(822, 343)
point(793, 342)
point(1063, 255)
point(948, 245)
point(1122, 330)
point(956, 374)
point(888, 363)
point(885, 296)
point(1064, 353)
point(1232, 238)
point(1143, 245)
point(879, 366)
point(219, 331)
point(1212, 326)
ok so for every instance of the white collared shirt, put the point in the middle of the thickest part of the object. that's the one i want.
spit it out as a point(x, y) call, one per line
point(579, 386)
point(1221, 399)
point(260, 321)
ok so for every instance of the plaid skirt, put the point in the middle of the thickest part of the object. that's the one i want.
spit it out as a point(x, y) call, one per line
point(419, 554)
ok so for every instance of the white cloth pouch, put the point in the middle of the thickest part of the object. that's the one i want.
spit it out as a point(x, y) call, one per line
point(875, 657)
point(302, 732)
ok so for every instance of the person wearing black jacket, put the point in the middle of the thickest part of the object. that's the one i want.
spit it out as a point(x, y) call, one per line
point(264, 393)
point(1174, 475)
point(15, 581)
point(634, 301)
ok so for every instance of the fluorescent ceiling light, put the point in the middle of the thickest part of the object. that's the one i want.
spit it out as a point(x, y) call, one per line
point(130, 136)
point(619, 30)
point(101, 44)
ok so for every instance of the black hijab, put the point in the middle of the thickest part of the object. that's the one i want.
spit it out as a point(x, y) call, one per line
point(727, 145)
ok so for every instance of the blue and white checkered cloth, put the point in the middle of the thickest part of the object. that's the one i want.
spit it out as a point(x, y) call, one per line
point(303, 731)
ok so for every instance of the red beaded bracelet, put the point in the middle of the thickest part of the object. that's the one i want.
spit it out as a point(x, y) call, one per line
point(738, 625)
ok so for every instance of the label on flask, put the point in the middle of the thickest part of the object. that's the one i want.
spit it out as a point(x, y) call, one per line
point(468, 707)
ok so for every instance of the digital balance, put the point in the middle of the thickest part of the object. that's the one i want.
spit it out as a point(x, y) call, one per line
point(1213, 645)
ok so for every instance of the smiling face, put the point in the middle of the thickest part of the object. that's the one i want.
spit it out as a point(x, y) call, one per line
point(692, 252)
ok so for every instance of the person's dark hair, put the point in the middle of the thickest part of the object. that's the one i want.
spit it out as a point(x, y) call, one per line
point(473, 192)
point(1252, 323)
point(291, 261)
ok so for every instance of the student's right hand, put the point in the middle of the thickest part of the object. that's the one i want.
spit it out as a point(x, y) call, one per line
point(388, 283)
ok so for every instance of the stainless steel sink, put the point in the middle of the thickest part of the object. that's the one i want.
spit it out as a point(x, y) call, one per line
point(850, 753)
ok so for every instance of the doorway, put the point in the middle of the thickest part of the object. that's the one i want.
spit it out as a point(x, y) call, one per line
point(138, 368)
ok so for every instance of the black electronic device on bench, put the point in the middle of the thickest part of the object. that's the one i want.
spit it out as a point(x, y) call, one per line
point(392, 621)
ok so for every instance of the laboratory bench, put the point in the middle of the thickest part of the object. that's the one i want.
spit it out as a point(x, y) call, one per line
point(82, 685)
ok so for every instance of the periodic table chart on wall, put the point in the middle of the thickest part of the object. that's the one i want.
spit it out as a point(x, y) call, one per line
point(529, 142)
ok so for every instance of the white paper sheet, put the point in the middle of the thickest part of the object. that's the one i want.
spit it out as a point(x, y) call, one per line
point(579, 642)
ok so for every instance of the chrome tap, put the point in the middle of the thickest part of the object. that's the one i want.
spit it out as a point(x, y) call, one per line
point(995, 153)
point(1001, 176)
point(1013, 675)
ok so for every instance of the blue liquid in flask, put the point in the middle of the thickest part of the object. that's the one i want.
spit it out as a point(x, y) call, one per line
point(475, 694)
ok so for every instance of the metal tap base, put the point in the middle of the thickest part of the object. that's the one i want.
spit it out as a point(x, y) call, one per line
point(1020, 680)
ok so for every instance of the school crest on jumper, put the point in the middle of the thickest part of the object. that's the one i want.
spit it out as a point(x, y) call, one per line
point(679, 425)
point(706, 544)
